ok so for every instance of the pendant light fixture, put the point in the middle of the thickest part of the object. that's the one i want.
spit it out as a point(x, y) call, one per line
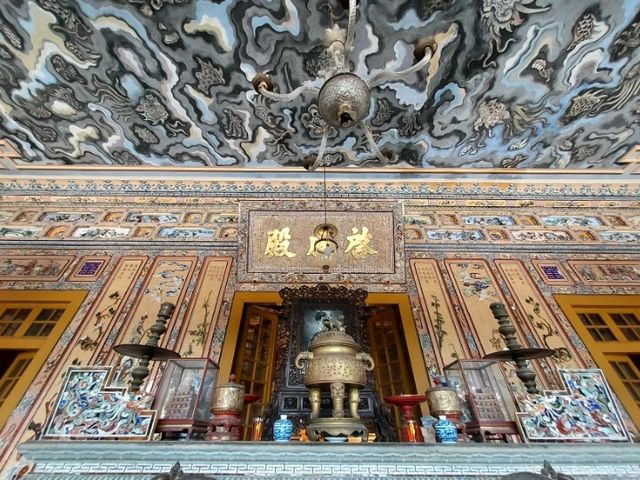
point(325, 246)
point(344, 98)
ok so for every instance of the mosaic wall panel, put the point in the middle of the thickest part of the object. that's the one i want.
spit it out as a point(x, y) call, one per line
point(14, 232)
point(77, 346)
point(553, 272)
point(545, 331)
point(107, 313)
point(88, 269)
point(131, 286)
point(446, 226)
point(596, 222)
point(477, 288)
point(594, 272)
point(204, 309)
point(34, 268)
point(219, 224)
point(167, 281)
point(443, 325)
point(552, 193)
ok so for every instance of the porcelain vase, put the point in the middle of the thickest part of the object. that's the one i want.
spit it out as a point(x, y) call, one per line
point(282, 429)
point(446, 431)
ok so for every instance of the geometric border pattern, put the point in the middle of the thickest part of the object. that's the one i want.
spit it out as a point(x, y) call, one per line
point(115, 460)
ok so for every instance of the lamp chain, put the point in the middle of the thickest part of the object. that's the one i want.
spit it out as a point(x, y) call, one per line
point(324, 183)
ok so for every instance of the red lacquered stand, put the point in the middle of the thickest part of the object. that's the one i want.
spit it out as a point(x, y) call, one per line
point(406, 404)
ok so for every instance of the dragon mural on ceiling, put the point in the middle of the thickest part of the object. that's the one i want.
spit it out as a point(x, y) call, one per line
point(512, 84)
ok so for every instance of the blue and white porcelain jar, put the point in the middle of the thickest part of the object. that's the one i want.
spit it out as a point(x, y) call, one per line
point(446, 431)
point(282, 429)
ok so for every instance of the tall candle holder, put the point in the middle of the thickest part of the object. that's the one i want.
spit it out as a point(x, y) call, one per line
point(516, 353)
point(410, 429)
point(149, 351)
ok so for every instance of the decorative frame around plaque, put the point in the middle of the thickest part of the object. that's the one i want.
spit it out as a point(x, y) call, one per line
point(86, 408)
point(552, 272)
point(89, 268)
point(587, 400)
point(296, 220)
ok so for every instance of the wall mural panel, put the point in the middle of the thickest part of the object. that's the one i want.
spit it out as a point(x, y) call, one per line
point(595, 272)
point(167, 281)
point(79, 345)
point(477, 288)
point(517, 84)
point(204, 309)
point(545, 329)
point(116, 295)
point(34, 268)
point(443, 325)
point(108, 310)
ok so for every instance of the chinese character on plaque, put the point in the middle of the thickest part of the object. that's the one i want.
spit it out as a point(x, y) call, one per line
point(359, 243)
point(278, 242)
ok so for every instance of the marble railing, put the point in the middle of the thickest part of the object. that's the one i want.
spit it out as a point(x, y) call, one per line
point(111, 460)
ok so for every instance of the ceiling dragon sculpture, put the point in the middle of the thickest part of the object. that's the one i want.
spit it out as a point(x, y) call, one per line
point(509, 83)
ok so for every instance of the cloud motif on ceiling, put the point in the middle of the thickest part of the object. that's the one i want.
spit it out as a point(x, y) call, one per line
point(513, 83)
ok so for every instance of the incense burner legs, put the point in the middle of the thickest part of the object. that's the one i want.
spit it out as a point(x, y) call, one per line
point(354, 401)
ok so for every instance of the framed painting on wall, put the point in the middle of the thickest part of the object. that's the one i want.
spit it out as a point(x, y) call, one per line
point(315, 319)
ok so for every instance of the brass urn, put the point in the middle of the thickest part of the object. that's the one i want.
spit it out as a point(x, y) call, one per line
point(334, 361)
point(443, 400)
point(228, 398)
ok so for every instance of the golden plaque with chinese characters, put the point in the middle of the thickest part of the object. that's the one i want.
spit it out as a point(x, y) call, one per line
point(279, 241)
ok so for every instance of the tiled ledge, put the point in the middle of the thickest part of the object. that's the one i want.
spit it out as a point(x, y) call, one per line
point(106, 460)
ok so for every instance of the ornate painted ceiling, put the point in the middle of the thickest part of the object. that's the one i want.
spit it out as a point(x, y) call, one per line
point(513, 83)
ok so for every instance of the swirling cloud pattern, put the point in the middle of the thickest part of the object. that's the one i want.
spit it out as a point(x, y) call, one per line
point(513, 83)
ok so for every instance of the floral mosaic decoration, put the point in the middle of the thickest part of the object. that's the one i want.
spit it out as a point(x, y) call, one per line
point(586, 412)
point(88, 408)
